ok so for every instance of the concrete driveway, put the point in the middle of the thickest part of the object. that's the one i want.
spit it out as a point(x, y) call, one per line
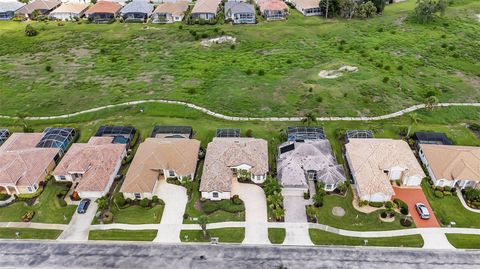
point(78, 227)
point(296, 230)
point(411, 196)
point(175, 198)
point(256, 229)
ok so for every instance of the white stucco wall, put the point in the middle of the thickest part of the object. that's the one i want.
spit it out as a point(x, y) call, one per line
point(221, 195)
point(376, 197)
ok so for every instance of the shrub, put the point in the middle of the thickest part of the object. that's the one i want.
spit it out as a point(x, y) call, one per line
point(289, 61)
point(185, 216)
point(180, 27)
point(30, 31)
point(447, 188)
point(107, 217)
point(438, 194)
point(155, 199)
point(389, 205)
point(261, 72)
point(404, 210)
point(306, 195)
point(4, 196)
point(144, 202)
point(318, 199)
point(249, 133)
point(383, 214)
point(236, 200)
point(48, 68)
point(249, 72)
point(447, 193)
point(376, 204)
point(119, 199)
point(28, 216)
point(385, 79)
point(319, 99)
point(204, 35)
point(386, 67)
point(406, 222)
point(232, 46)
point(400, 67)
point(362, 203)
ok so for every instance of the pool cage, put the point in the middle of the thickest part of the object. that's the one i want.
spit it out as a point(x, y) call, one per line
point(120, 134)
point(221, 132)
point(57, 138)
point(363, 134)
point(4, 134)
point(301, 133)
point(167, 131)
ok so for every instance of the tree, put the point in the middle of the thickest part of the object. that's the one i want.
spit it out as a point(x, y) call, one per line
point(414, 119)
point(318, 199)
point(271, 186)
point(380, 5)
point(430, 102)
point(311, 212)
point(426, 9)
point(309, 118)
point(366, 10)
point(347, 8)
point(202, 221)
point(275, 200)
point(102, 202)
point(278, 213)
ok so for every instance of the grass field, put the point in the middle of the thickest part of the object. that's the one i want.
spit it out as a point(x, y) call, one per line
point(78, 66)
point(466, 241)
point(26, 233)
point(225, 235)
point(45, 210)
point(320, 237)
point(123, 235)
point(276, 235)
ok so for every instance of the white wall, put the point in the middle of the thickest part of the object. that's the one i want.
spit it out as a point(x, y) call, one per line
point(131, 195)
point(221, 195)
point(376, 197)
point(412, 181)
point(259, 181)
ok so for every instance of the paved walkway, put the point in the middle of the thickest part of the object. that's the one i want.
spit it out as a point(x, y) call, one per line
point(460, 196)
point(78, 228)
point(175, 198)
point(224, 117)
point(256, 229)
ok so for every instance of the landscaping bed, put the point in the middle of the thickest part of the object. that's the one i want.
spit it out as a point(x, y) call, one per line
point(225, 235)
point(123, 235)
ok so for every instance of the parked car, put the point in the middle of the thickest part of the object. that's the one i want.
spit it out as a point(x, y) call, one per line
point(83, 206)
point(422, 211)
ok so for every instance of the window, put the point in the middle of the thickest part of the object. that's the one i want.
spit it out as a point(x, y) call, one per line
point(171, 173)
point(137, 195)
point(329, 186)
point(215, 195)
point(63, 178)
point(29, 189)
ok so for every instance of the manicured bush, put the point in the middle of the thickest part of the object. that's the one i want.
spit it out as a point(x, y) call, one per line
point(28, 216)
point(404, 210)
point(144, 202)
point(236, 200)
point(438, 194)
point(4, 196)
point(107, 217)
point(447, 193)
point(383, 214)
point(155, 199)
point(388, 205)
point(119, 199)
point(376, 204)
point(362, 203)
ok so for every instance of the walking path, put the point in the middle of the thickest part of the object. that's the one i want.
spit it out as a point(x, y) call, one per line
point(460, 196)
point(224, 117)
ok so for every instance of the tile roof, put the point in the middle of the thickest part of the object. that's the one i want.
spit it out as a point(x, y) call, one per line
point(96, 160)
point(10, 5)
point(104, 7)
point(271, 5)
point(70, 8)
point(306, 4)
point(311, 155)
point(370, 157)
point(239, 7)
point(155, 154)
point(38, 5)
point(21, 163)
point(453, 162)
point(177, 9)
point(206, 6)
point(224, 153)
point(140, 6)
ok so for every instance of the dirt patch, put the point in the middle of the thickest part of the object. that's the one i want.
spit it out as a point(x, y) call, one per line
point(473, 81)
point(80, 52)
point(338, 72)
point(338, 211)
point(218, 40)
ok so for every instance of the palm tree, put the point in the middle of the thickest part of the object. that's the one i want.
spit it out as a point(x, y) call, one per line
point(414, 119)
point(430, 102)
point(311, 212)
point(278, 213)
point(275, 200)
point(271, 186)
point(202, 221)
point(309, 118)
point(326, 10)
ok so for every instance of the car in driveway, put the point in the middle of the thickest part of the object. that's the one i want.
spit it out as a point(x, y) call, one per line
point(422, 211)
point(83, 206)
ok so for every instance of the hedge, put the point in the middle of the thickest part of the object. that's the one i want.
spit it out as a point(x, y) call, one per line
point(226, 205)
point(376, 204)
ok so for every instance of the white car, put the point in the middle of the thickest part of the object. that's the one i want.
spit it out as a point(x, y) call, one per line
point(422, 211)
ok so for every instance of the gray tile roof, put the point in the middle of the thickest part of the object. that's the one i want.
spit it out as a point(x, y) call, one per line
point(10, 6)
point(239, 7)
point(138, 6)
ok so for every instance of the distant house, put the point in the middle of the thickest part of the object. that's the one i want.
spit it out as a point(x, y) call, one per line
point(452, 166)
point(374, 163)
point(205, 9)
point(93, 165)
point(311, 160)
point(273, 9)
point(170, 12)
point(8, 8)
point(158, 159)
point(308, 7)
point(24, 165)
point(42, 7)
point(68, 11)
point(432, 138)
point(239, 12)
point(103, 12)
point(137, 11)
point(226, 158)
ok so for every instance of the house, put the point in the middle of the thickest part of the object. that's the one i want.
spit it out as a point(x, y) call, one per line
point(157, 159)
point(68, 11)
point(137, 11)
point(311, 160)
point(226, 158)
point(166, 131)
point(239, 12)
point(41, 7)
point(103, 12)
point(170, 12)
point(453, 166)
point(308, 7)
point(23, 165)
point(93, 165)
point(205, 9)
point(273, 9)
point(433, 138)
point(4, 134)
point(8, 8)
point(374, 163)
point(120, 134)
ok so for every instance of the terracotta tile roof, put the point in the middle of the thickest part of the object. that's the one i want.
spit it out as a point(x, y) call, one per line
point(96, 160)
point(453, 162)
point(155, 154)
point(70, 8)
point(306, 4)
point(104, 7)
point(206, 6)
point(175, 9)
point(224, 153)
point(38, 5)
point(370, 157)
point(21, 163)
point(271, 5)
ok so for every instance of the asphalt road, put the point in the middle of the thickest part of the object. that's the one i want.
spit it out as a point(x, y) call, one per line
point(51, 254)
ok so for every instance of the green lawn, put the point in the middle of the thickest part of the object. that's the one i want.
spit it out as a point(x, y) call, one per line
point(276, 235)
point(225, 235)
point(103, 64)
point(353, 219)
point(320, 237)
point(137, 214)
point(123, 235)
point(27, 233)
point(45, 210)
point(449, 208)
point(466, 241)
